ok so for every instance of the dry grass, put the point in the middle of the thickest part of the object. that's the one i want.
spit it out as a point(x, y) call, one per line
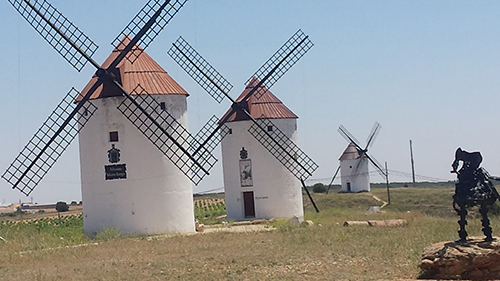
point(326, 252)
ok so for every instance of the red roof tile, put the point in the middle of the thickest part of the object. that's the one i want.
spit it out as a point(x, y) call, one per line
point(268, 106)
point(145, 72)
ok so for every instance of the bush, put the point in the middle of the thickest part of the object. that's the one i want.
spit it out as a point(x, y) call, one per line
point(319, 188)
point(62, 206)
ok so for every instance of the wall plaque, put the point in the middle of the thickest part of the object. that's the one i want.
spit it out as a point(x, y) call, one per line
point(114, 172)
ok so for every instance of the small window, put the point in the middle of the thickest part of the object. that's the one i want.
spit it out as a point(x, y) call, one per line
point(230, 131)
point(269, 128)
point(163, 106)
point(113, 136)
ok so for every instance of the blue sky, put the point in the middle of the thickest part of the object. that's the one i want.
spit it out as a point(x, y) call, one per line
point(425, 70)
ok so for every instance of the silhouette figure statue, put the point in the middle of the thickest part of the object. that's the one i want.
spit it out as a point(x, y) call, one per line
point(473, 188)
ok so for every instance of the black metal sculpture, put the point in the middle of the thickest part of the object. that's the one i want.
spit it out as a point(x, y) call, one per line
point(473, 188)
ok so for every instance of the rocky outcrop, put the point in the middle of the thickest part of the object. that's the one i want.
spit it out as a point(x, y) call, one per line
point(474, 260)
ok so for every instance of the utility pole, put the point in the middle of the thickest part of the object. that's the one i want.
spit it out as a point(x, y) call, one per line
point(412, 164)
point(387, 182)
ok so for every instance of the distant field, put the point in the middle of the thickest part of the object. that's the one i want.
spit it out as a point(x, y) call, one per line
point(46, 213)
point(324, 251)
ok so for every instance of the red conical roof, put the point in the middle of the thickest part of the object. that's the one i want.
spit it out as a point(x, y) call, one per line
point(268, 106)
point(144, 71)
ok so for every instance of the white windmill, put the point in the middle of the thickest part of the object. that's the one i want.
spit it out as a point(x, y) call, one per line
point(127, 183)
point(129, 107)
point(256, 185)
point(261, 162)
point(354, 160)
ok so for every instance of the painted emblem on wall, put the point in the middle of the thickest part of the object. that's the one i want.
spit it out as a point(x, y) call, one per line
point(116, 171)
point(243, 153)
point(114, 154)
point(245, 169)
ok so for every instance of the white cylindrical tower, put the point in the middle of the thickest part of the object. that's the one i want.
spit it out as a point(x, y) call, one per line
point(256, 184)
point(127, 183)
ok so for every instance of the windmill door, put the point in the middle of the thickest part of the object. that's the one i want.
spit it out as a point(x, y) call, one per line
point(249, 204)
point(348, 187)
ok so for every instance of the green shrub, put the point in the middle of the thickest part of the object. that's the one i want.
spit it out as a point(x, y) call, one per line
point(62, 206)
point(319, 188)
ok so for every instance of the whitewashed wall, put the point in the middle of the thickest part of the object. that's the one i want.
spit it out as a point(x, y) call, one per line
point(155, 198)
point(361, 182)
point(277, 193)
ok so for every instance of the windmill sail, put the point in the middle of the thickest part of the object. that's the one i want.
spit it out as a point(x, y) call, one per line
point(282, 60)
point(72, 44)
point(373, 134)
point(283, 149)
point(200, 70)
point(47, 145)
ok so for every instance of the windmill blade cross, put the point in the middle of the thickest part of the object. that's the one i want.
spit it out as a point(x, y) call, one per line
point(54, 136)
point(363, 152)
point(280, 146)
point(163, 13)
point(48, 144)
point(282, 60)
point(76, 48)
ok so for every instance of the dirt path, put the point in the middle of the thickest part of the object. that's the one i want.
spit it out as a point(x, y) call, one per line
point(380, 200)
point(239, 228)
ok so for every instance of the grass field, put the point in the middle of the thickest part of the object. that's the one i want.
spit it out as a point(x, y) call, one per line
point(324, 251)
